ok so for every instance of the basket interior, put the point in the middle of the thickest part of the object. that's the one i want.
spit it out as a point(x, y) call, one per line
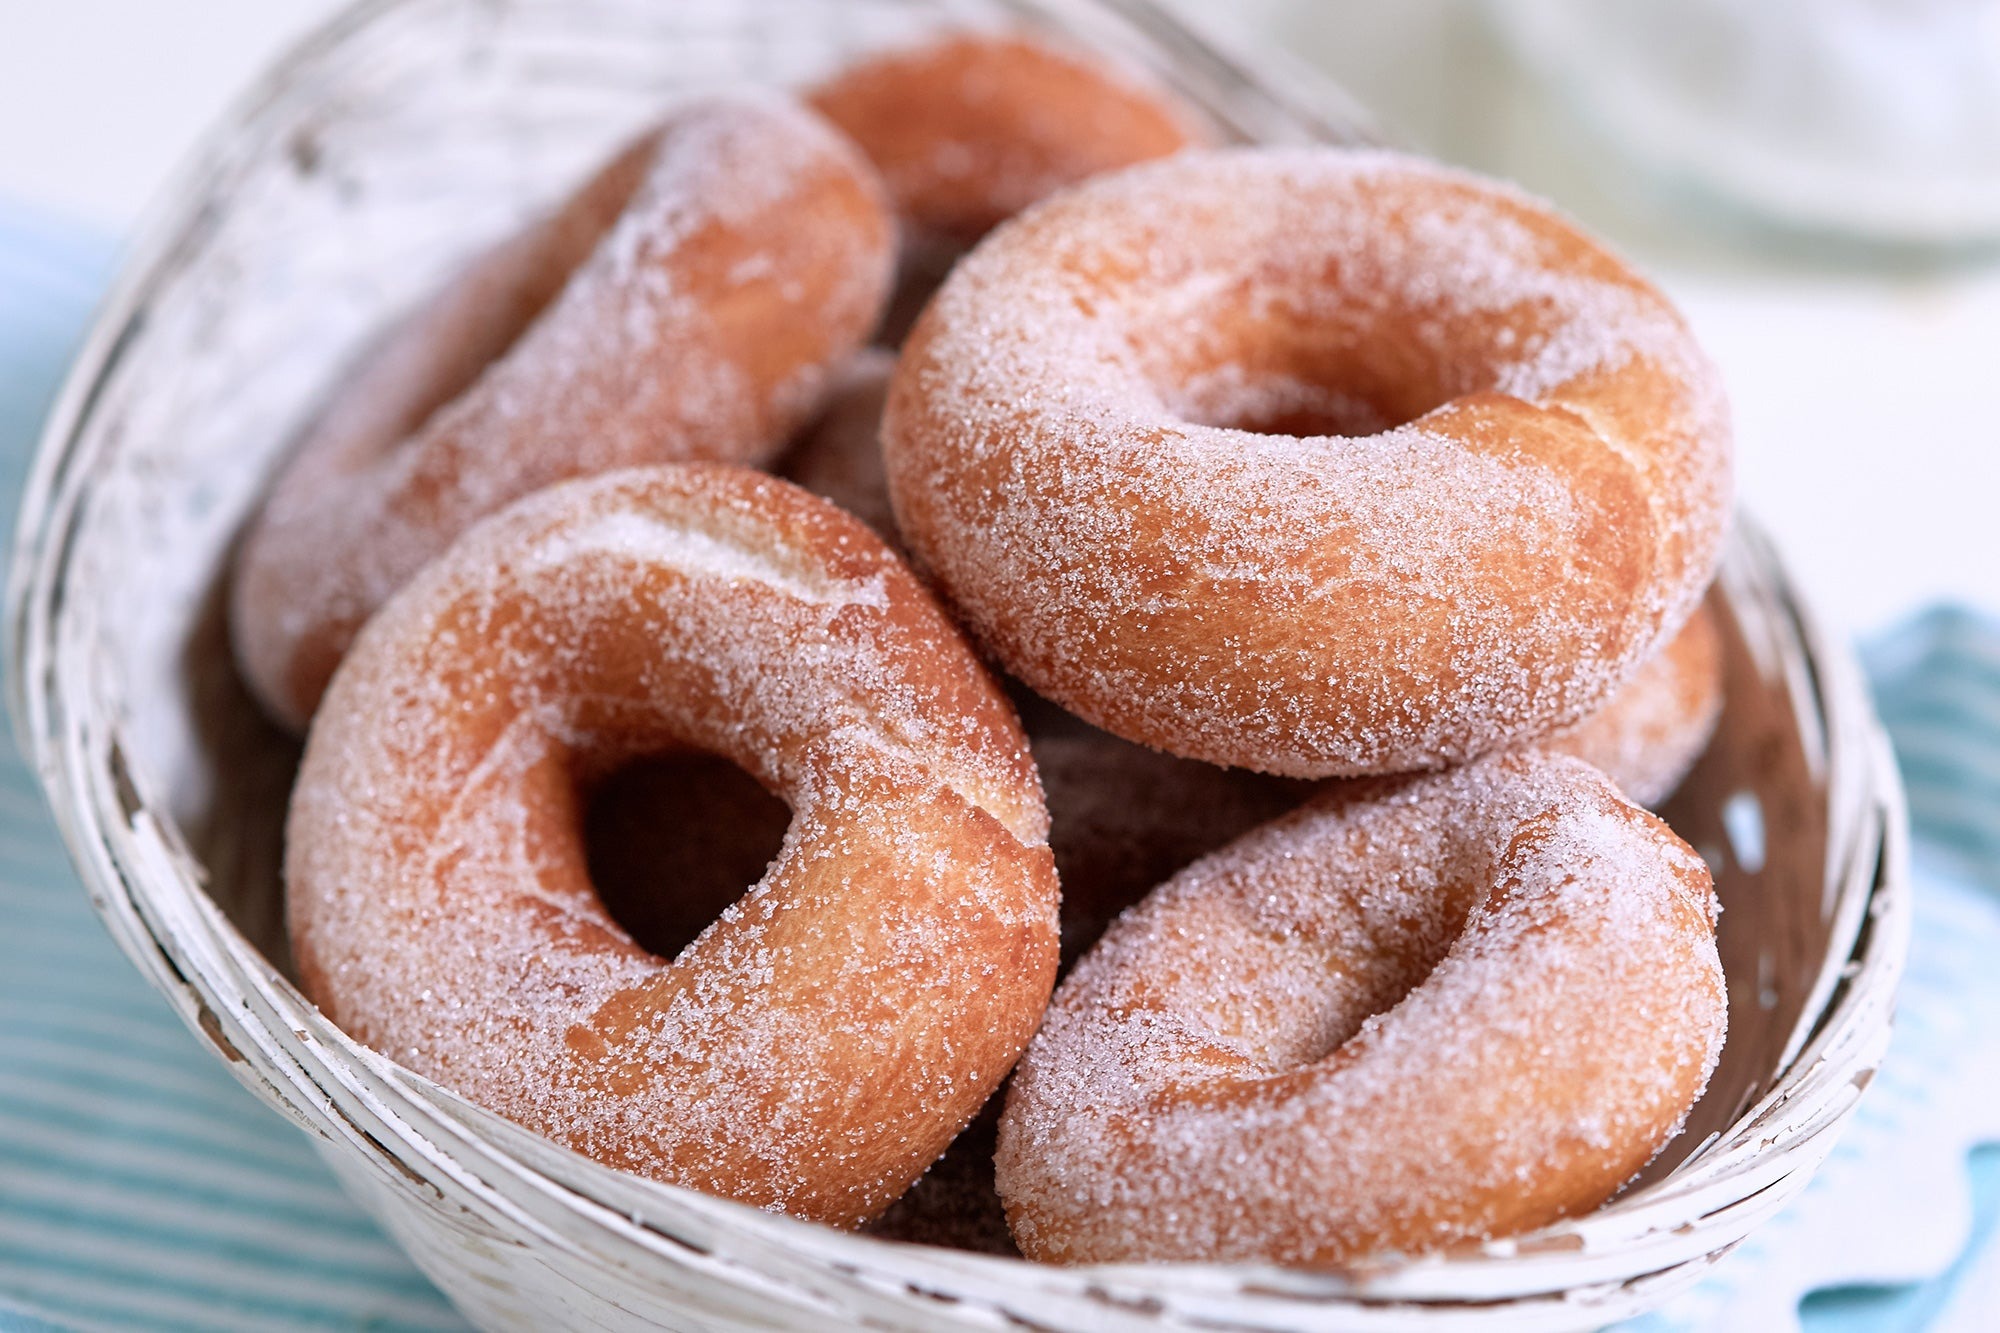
point(439, 127)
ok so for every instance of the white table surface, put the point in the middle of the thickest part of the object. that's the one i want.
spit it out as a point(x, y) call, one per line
point(1863, 393)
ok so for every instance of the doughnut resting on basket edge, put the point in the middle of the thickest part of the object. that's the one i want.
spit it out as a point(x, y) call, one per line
point(819, 1044)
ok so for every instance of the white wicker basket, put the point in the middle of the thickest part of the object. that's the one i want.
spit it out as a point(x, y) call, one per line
point(403, 138)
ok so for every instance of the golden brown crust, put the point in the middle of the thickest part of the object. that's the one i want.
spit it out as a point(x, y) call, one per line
point(684, 305)
point(971, 129)
point(820, 1043)
point(1419, 1011)
point(1542, 496)
point(1657, 725)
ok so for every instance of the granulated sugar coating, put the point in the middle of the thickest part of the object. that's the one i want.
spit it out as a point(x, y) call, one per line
point(1539, 505)
point(1662, 718)
point(818, 1045)
point(1417, 1011)
point(685, 304)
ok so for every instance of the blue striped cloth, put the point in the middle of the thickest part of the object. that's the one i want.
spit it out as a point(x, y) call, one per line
point(141, 1187)
point(1937, 686)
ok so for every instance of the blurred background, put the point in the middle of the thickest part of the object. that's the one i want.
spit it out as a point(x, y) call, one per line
point(1817, 182)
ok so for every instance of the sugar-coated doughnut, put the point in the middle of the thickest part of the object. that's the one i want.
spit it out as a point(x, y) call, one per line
point(1662, 718)
point(820, 1043)
point(1312, 461)
point(972, 128)
point(685, 304)
point(1418, 1011)
point(955, 1204)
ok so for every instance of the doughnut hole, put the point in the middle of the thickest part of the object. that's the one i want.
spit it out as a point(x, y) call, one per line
point(1285, 985)
point(671, 840)
point(1316, 361)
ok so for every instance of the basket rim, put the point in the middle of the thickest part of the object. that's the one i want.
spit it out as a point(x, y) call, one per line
point(147, 888)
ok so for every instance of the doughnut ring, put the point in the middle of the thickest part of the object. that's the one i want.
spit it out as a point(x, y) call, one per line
point(1419, 1011)
point(1310, 461)
point(971, 129)
point(683, 305)
point(822, 1041)
point(1662, 718)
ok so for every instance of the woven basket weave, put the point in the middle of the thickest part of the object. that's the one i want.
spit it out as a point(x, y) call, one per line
point(405, 137)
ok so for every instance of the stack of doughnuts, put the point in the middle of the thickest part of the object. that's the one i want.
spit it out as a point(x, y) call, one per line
point(1262, 588)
